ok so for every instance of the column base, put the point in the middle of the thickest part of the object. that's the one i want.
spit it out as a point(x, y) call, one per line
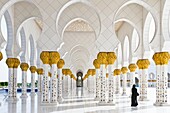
point(124, 94)
point(143, 99)
point(12, 99)
point(39, 93)
point(105, 104)
point(23, 96)
point(117, 92)
point(32, 94)
point(97, 99)
point(161, 104)
point(60, 99)
point(111, 103)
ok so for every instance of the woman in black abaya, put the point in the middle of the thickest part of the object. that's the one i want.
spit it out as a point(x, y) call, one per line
point(134, 96)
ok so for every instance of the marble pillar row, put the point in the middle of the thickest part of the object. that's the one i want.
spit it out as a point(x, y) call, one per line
point(161, 60)
point(132, 68)
point(10, 64)
point(96, 64)
point(33, 70)
point(45, 85)
point(117, 73)
point(102, 57)
point(60, 65)
point(24, 67)
point(40, 79)
point(124, 75)
point(143, 65)
point(54, 58)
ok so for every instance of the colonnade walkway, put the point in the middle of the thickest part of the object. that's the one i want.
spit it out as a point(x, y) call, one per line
point(81, 101)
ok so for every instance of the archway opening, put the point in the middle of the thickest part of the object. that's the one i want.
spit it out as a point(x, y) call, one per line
point(79, 79)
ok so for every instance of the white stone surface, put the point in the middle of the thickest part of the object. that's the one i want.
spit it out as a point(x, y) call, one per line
point(83, 104)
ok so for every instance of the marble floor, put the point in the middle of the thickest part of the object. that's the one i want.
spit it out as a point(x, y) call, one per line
point(80, 101)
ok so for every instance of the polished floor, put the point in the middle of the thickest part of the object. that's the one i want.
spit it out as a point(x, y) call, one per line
point(80, 101)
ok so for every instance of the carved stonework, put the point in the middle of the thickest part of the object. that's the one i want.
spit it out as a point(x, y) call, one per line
point(79, 25)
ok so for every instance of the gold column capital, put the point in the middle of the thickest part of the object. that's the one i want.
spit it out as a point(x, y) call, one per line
point(45, 56)
point(132, 67)
point(49, 74)
point(68, 72)
point(117, 72)
point(54, 57)
point(1, 56)
point(39, 71)
point(102, 56)
point(33, 69)
point(16, 63)
point(89, 72)
point(143, 63)
point(96, 63)
point(60, 63)
point(124, 70)
point(93, 72)
point(63, 71)
point(111, 57)
point(161, 58)
point(24, 66)
point(10, 62)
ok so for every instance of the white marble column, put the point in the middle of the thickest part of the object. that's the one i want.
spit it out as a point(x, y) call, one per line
point(40, 79)
point(117, 73)
point(124, 75)
point(132, 68)
point(16, 64)
point(60, 65)
point(33, 70)
point(53, 84)
point(97, 84)
point(103, 84)
point(24, 67)
point(102, 57)
point(45, 86)
point(111, 85)
point(161, 60)
point(143, 65)
point(111, 57)
point(10, 64)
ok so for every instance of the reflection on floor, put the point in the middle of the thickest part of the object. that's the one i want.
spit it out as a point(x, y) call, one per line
point(81, 101)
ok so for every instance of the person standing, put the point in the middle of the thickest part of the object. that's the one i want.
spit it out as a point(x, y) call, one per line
point(134, 101)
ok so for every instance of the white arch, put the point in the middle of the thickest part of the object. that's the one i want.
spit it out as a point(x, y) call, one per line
point(126, 49)
point(77, 47)
point(147, 27)
point(143, 4)
point(135, 36)
point(10, 35)
point(23, 45)
point(166, 20)
point(8, 4)
point(74, 2)
point(32, 50)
